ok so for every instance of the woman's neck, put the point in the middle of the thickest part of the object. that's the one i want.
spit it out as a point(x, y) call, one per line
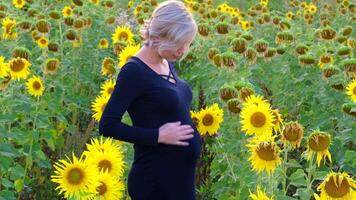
point(150, 55)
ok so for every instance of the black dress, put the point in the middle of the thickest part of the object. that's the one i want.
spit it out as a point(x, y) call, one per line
point(159, 171)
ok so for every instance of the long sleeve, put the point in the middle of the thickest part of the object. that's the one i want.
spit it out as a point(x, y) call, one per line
point(127, 88)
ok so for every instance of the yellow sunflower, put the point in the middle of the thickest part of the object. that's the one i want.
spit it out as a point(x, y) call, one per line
point(110, 188)
point(4, 67)
point(351, 90)
point(108, 87)
point(19, 68)
point(67, 11)
point(35, 86)
point(108, 67)
point(255, 100)
point(337, 186)
point(312, 8)
point(325, 59)
point(42, 42)
point(264, 155)
point(98, 106)
point(194, 115)
point(75, 177)
point(103, 144)
point(258, 120)
point(123, 33)
point(209, 120)
point(103, 44)
point(126, 54)
point(106, 161)
point(8, 26)
point(319, 143)
point(245, 25)
point(260, 195)
point(19, 3)
point(293, 134)
point(96, 2)
point(278, 120)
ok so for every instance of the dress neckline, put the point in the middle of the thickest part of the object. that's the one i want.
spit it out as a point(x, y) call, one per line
point(160, 75)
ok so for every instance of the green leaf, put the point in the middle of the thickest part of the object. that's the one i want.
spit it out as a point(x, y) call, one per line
point(5, 163)
point(7, 195)
point(298, 178)
point(19, 185)
point(8, 150)
point(303, 193)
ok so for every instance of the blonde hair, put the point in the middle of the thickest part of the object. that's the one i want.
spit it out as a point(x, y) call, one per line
point(172, 23)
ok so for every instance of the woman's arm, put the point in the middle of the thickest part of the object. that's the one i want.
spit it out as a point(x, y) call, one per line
point(127, 88)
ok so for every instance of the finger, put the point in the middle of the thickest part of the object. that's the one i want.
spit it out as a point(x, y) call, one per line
point(185, 137)
point(179, 143)
point(183, 127)
point(186, 131)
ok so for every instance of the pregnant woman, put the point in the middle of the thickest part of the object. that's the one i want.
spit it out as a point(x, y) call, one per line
point(167, 145)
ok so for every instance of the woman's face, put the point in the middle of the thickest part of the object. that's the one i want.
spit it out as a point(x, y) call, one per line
point(177, 52)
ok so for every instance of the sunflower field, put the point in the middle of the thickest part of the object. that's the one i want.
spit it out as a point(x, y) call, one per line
point(274, 97)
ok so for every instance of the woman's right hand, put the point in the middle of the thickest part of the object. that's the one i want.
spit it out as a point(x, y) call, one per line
point(174, 133)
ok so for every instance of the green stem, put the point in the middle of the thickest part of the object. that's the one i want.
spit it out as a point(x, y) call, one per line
point(310, 172)
point(285, 168)
point(228, 161)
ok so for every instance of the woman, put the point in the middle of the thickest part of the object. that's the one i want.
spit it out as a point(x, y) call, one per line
point(166, 142)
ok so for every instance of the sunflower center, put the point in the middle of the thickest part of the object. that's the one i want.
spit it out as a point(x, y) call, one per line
point(319, 142)
point(109, 91)
point(51, 66)
point(354, 90)
point(258, 119)
point(17, 66)
point(103, 42)
point(102, 188)
point(43, 41)
point(208, 120)
point(291, 135)
point(123, 36)
point(19, 1)
point(75, 176)
point(266, 151)
point(337, 190)
point(36, 85)
point(105, 165)
point(326, 59)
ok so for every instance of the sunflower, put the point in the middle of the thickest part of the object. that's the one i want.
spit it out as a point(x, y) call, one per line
point(98, 106)
point(209, 120)
point(67, 11)
point(337, 186)
point(260, 195)
point(108, 87)
point(75, 177)
point(293, 133)
point(126, 53)
point(96, 2)
point(35, 86)
point(319, 143)
point(106, 161)
point(122, 33)
point(351, 90)
point(103, 44)
point(103, 144)
point(245, 25)
point(51, 66)
point(312, 8)
point(19, 3)
point(8, 26)
point(278, 120)
point(19, 68)
point(194, 115)
point(255, 100)
point(108, 67)
point(42, 42)
point(258, 120)
point(264, 155)
point(4, 67)
point(110, 188)
point(325, 59)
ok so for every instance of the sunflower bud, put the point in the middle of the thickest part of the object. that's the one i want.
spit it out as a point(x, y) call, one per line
point(350, 67)
point(270, 53)
point(54, 15)
point(78, 2)
point(53, 47)
point(301, 49)
point(344, 51)
point(328, 33)
point(43, 26)
point(212, 52)
point(51, 66)
point(21, 52)
point(25, 25)
point(245, 92)
point(306, 60)
point(349, 108)
point(217, 60)
point(228, 92)
point(203, 29)
point(284, 37)
point(234, 105)
point(251, 55)
point(71, 34)
point(239, 45)
point(330, 70)
point(222, 28)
